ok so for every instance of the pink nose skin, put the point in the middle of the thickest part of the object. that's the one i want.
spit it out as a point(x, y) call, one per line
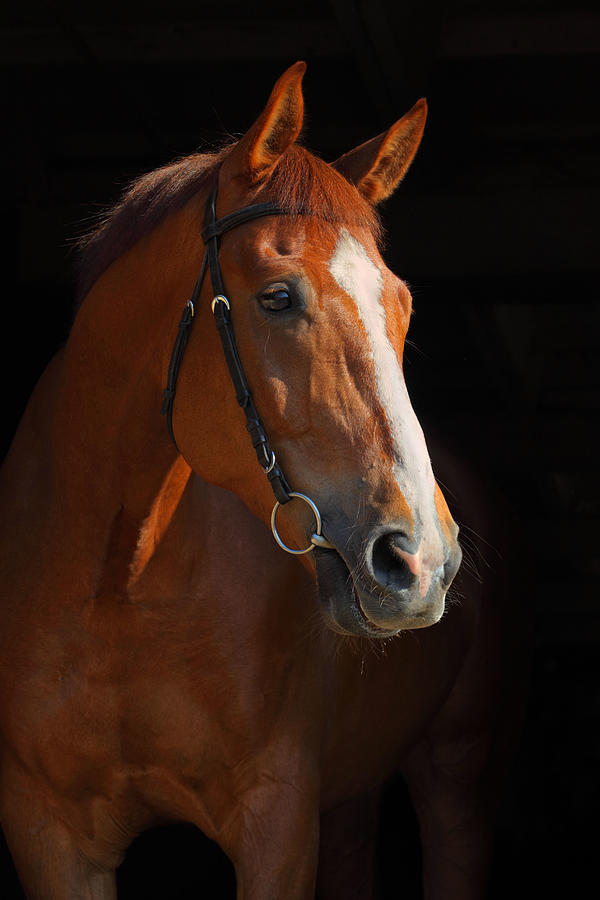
point(396, 569)
point(413, 561)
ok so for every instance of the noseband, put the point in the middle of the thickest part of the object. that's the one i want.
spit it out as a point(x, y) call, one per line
point(221, 308)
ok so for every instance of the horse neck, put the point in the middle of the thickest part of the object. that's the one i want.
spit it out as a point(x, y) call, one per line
point(111, 452)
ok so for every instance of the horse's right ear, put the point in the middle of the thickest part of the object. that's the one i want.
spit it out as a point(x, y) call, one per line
point(278, 126)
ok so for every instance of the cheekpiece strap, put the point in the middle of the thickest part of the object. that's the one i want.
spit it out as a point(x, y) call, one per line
point(211, 232)
point(260, 442)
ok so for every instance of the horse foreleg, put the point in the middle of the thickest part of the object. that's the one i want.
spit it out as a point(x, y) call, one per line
point(348, 849)
point(455, 820)
point(455, 779)
point(273, 843)
point(50, 867)
point(49, 862)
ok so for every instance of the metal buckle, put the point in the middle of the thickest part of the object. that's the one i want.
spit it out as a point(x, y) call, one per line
point(271, 466)
point(220, 298)
point(316, 540)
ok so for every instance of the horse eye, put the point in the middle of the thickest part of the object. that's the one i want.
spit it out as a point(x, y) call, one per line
point(275, 299)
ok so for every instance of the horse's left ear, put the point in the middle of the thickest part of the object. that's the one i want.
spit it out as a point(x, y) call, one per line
point(378, 166)
point(278, 126)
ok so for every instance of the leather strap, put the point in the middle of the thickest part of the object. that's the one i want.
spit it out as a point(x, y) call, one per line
point(211, 232)
point(217, 227)
point(183, 333)
point(214, 228)
point(264, 453)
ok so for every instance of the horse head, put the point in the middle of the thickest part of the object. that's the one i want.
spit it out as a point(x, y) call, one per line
point(320, 323)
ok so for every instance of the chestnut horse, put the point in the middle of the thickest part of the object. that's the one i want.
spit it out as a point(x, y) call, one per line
point(162, 658)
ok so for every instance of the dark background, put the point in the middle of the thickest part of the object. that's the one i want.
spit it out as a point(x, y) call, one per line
point(494, 231)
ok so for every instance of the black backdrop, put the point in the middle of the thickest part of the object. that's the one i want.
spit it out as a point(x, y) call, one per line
point(494, 231)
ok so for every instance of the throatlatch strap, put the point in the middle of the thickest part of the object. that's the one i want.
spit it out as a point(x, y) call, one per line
point(183, 333)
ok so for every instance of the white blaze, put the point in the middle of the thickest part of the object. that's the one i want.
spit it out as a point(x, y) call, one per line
point(361, 279)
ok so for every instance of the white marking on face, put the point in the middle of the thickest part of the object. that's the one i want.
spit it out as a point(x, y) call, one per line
point(362, 280)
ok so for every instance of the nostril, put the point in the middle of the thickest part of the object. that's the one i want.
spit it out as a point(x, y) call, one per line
point(393, 566)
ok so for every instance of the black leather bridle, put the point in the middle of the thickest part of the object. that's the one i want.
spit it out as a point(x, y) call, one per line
point(221, 308)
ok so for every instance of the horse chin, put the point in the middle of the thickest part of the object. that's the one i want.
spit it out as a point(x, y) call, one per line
point(349, 610)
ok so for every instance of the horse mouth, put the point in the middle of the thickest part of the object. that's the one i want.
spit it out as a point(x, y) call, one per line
point(339, 595)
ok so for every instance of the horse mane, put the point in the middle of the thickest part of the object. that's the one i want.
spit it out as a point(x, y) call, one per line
point(301, 183)
point(142, 206)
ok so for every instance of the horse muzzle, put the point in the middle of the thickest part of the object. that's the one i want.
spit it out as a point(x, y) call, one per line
point(385, 584)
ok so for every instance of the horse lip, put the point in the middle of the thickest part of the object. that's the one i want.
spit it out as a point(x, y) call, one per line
point(346, 603)
point(374, 629)
point(343, 607)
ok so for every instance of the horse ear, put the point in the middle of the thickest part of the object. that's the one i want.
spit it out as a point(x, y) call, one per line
point(278, 126)
point(378, 166)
